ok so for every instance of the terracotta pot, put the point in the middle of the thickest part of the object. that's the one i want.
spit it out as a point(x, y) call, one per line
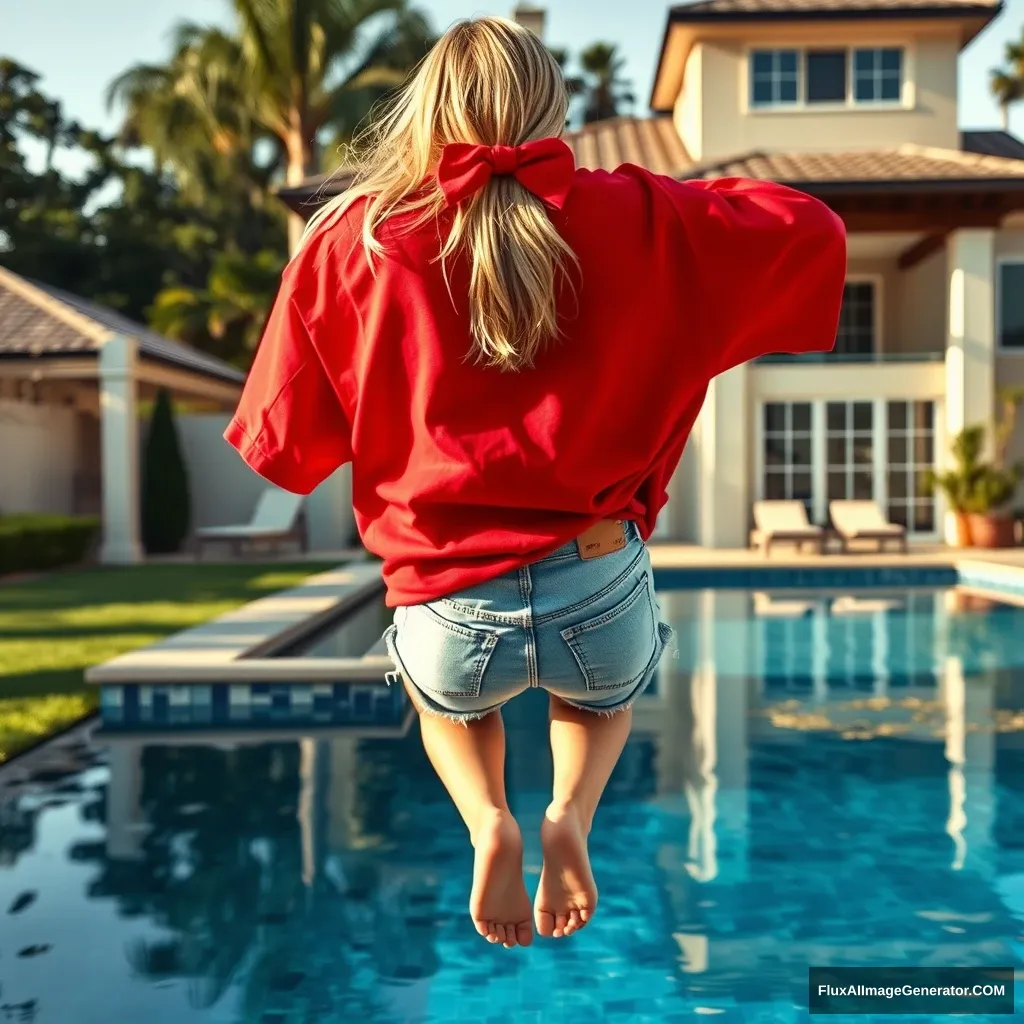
point(991, 531)
point(957, 529)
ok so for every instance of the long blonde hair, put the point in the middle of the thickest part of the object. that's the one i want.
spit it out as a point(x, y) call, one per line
point(488, 81)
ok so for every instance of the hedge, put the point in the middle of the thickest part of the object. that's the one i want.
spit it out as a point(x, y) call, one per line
point(29, 543)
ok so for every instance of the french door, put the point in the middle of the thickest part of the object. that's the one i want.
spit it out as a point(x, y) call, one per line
point(820, 451)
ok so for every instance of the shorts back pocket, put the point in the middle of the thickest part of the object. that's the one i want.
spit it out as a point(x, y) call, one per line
point(440, 656)
point(615, 649)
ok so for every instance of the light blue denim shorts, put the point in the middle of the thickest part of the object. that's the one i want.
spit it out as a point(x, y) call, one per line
point(588, 631)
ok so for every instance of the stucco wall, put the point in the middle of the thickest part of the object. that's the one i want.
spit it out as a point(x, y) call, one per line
point(225, 490)
point(37, 467)
point(924, 307)
point(727, 127)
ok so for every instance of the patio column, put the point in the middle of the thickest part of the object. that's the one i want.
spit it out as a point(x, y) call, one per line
point(970, 350)
point(723, 470)
point(119, 445)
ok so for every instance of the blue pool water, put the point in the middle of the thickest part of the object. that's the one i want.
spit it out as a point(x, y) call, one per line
point(827, 779)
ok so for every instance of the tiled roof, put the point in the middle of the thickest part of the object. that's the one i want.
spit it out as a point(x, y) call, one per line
point(652, 142)
point(717, 10)
point(908, 164)
point(985, 157)
point(38, 320)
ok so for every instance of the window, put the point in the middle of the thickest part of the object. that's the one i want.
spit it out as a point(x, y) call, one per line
point(877, 75)
point(911, 453)
point(826, 76)
point(1011, 305)
point(789, 78)
point(856, 333)
point(787, 451)
point(774, 77)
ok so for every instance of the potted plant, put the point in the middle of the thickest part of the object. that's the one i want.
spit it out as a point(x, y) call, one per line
point(957, 485)
point(990, 525)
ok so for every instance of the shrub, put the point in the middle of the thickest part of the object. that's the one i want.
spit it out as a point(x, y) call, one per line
point(30, 543)
point(166, 505)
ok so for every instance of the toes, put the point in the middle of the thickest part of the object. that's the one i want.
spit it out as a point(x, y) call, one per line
point(499, 930)
point(482, 928)
point(492, 932)
point(510, 936)
point(575, 922)
point(545, 924)
point(561, 920)
point(524, 933)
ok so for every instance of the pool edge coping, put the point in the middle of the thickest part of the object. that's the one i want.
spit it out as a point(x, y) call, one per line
point(275, 622)
point(239, 646)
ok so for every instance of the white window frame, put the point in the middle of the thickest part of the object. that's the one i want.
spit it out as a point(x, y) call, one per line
point(1004, 261)
point(878, 282)
point(906, 101)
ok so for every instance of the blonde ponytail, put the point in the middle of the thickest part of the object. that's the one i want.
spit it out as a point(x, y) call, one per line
point(488, 82)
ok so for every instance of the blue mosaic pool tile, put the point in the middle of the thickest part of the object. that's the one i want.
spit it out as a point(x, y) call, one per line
point(162, 706)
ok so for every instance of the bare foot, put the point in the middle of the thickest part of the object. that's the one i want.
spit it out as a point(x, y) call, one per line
point(567, 894)
point(499, 904)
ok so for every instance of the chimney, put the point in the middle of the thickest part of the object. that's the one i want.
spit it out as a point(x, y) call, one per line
point(531, 18)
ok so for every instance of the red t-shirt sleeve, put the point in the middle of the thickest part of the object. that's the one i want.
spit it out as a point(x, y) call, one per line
point(290, 426)
point(771, 266)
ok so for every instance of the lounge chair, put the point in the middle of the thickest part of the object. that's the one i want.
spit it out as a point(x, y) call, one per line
point(276, 518)
point(784, 521)
point(863, 520)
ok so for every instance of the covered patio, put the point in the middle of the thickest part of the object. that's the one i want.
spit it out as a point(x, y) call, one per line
point(74, 378)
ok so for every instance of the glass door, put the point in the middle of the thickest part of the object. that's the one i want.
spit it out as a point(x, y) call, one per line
point(849, 450)
point(910, 429)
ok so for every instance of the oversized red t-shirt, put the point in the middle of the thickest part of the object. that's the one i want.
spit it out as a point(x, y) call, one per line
point(461, 472)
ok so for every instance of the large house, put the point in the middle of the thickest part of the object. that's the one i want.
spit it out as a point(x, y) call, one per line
point(855, 102)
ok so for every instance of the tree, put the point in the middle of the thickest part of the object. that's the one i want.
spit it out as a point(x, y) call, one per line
point(291, 73)
point(1007, 82)
point(166, 504)
point(606, 92)
point(226, 316)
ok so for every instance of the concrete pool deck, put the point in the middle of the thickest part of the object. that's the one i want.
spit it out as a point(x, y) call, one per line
point(242, 646)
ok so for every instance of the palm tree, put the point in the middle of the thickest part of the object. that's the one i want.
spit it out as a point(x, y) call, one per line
point(291, 71)
point(605, 90)
point(1007, 82)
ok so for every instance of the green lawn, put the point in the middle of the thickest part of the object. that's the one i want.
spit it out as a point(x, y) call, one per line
point(53, 628)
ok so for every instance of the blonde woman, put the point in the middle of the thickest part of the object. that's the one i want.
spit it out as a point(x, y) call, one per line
point(512, 351)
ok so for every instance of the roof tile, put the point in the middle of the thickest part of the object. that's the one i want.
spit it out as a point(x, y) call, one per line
point(36, 319)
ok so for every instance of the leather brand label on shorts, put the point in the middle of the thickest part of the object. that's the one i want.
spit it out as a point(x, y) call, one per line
point(602, 539)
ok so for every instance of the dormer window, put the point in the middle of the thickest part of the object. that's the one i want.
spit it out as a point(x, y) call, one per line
point(848, 77)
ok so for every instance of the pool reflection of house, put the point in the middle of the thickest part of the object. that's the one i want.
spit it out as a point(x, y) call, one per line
point(855, 102)
point(378, 845)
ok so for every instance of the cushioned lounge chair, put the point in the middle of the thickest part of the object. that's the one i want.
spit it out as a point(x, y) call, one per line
point(277, 518)
point(864, 521)
point(784, 521)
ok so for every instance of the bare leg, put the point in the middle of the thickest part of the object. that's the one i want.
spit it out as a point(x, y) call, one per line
point(585, 747)
point(470, 760)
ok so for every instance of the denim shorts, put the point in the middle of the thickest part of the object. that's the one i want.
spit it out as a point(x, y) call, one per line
point(588, 631)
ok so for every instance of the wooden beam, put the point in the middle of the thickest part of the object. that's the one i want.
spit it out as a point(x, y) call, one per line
point(920, 251)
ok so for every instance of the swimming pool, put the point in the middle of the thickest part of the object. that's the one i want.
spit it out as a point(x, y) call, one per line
point(816, 778)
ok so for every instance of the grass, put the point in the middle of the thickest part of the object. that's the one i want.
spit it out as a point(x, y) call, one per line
point(54, 627)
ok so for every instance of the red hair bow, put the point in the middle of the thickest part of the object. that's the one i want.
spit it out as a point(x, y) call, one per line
point(544, 167)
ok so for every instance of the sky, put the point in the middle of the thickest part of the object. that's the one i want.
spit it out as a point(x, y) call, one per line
point(78, 46)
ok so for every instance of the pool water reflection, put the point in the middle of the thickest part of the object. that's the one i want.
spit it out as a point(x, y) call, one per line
point(806, 784)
